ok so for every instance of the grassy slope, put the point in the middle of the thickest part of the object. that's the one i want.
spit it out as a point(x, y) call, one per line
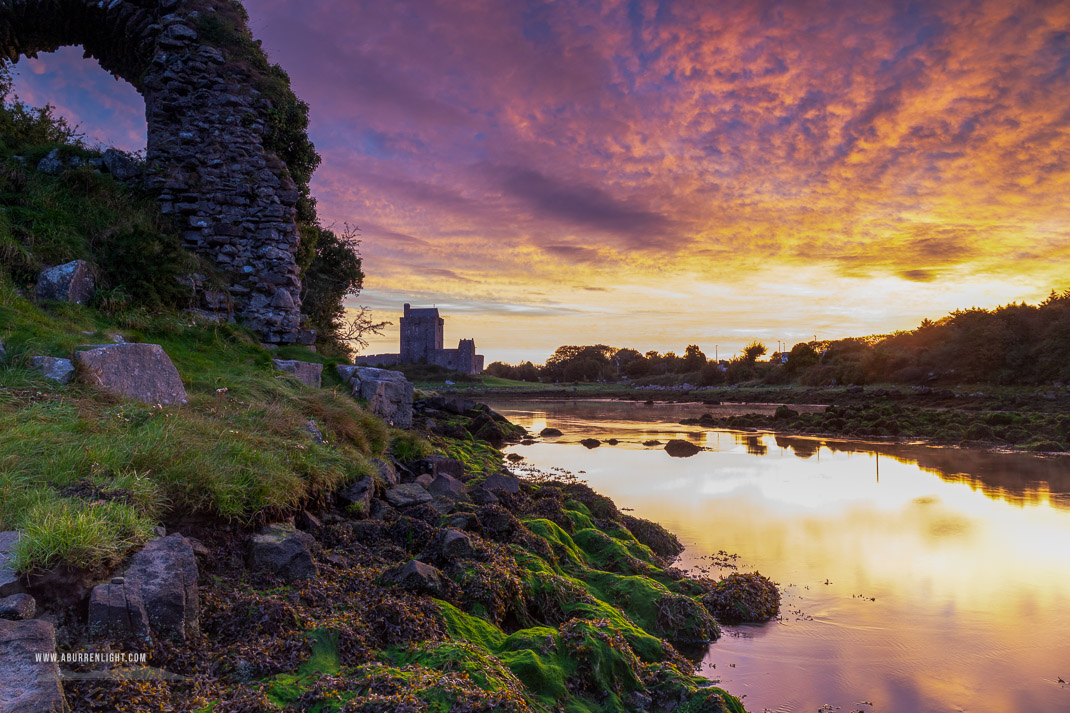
point(86, 476)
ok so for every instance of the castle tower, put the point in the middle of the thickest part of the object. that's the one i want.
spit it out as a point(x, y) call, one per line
point(421, 334)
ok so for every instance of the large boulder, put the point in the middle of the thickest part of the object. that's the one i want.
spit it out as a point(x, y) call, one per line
point(71, 282)
point(389, 393)
point(120, 165)
point(304, 371)
point(679, 448)
point(157, 595)
point(30, 682)
point(407, 494)
point(9, 578)
point(58, 370)
point(284, 551)
point(137, 371)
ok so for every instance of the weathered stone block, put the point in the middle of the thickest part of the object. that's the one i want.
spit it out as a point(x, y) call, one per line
point(30, 682)
point(70, 282)
point(304, 371)
point(389, 393)
point(448, 486)
point(440, 465)
point(283, 550)
point(457, 545)
point(59, 370)
point(357, 497)
point(118, 611)
point(386, 471)
point(137, 371)
point(165, 573)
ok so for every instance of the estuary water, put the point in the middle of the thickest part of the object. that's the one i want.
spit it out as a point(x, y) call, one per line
point(914, 578)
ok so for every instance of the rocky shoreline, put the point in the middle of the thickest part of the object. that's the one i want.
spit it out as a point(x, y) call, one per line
point(436, 583)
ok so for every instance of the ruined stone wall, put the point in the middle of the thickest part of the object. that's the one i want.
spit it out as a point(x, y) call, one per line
point(206, 158)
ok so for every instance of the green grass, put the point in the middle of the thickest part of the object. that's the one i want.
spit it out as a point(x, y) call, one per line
point(86, 475)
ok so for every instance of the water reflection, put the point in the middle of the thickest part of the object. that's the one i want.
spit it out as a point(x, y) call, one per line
point(904, 589)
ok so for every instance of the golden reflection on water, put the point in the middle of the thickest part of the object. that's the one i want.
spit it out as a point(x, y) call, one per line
point(918, 579)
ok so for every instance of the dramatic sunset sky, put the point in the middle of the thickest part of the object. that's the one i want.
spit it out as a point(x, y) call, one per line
point(654, 174)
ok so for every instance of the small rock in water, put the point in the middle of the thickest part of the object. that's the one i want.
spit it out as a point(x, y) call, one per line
point(678, 448)
point(591, 442)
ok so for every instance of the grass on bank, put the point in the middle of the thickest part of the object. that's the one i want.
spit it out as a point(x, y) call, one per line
point(85, 476)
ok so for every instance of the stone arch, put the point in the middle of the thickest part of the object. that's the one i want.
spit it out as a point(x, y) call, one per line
point(233, 199)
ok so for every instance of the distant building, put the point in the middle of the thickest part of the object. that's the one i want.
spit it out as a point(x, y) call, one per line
point(421, 343)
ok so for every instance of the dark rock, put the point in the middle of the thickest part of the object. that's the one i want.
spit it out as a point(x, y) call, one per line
point(482, 496)
point(58, 370)
point(678, 448)
point(612, 441)
point(441, 504)
point(116, 611)
point(498, 523)
point(485, 428)
point(855, 389)
point(527, 442)
point(452, 404)
point(30, 682)
point(304, 371)
point(165, 569)
point(71, 282)
point(457, 545)
point(9, 579)
point(357, 498)
point(591, 442)
point(137, 371)
point(550, 433)
point(463, 521)
point(424, 481)
point(284, 551)
point(407, 494)
point(447, 486)
point(387, 473)
point(439, 465)
point(500, 481)
point(17, 607)
point(416, 576)
point(120, 165)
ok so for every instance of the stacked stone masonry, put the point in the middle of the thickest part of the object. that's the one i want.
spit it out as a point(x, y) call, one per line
point(206, 125)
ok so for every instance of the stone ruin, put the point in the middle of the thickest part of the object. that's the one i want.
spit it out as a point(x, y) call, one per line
point(233, 199)
point(422, 336)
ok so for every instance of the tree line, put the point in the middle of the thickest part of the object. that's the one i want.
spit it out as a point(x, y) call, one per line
point(1011, 344)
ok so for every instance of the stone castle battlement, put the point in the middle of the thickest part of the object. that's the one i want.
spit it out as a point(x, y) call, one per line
point(422, 336)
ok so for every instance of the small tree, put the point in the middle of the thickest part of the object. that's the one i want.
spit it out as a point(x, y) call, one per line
point(752, 352)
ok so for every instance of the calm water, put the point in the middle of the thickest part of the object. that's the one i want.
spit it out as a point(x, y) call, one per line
point(914, 578)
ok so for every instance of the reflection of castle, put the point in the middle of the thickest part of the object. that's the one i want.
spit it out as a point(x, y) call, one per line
point(421, 342)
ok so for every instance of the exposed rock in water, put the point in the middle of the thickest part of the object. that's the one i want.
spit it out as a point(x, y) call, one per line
point(71, 282)
point(30, 681)
point(591, 442)
point(284, 551)
point(407, 494)
point(58, 370)
point(550, 433)
point(306, 372)
point(389, 393)
point(652, 442)
point(137, 371)
point(678, 448)
point(743, 597)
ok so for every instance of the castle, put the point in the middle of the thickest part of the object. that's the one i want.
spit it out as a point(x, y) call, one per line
point(421, 342)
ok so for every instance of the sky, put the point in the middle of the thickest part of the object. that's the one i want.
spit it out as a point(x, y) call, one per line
point(657, 174)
